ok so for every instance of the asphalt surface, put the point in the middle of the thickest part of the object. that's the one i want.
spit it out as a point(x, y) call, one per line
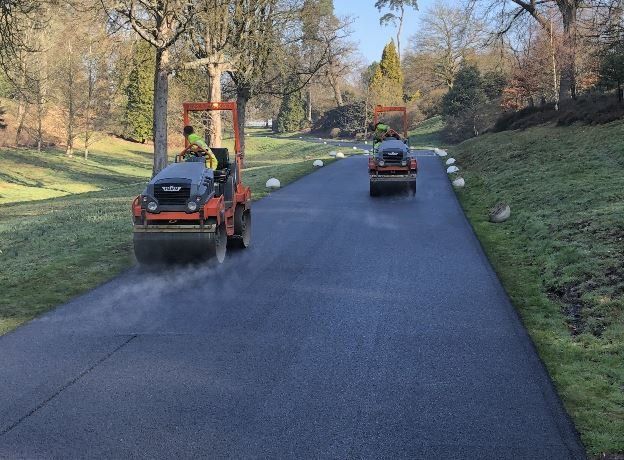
point(352, 328)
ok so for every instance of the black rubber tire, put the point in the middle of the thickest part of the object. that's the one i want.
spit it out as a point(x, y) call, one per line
point(412, 188)
point(219, 249)
point(374, 189)
point(242, 228)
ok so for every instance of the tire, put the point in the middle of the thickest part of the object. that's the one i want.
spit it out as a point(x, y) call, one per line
point(242, 228)
point(218, 250)
point(374, 189)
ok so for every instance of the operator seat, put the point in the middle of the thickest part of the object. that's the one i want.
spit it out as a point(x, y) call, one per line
point(223, 175)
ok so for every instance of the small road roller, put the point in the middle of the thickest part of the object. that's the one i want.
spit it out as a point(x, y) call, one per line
point(189, 212)
point(391, 161)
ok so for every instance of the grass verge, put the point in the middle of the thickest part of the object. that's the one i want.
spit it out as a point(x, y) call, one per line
point(65, 222)
point(427, 134)
point(561, 257)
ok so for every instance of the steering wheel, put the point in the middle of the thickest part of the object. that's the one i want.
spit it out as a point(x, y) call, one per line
point(195, 150)
point(391, 133)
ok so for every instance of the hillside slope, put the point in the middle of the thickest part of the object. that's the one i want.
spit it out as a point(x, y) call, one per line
point(561, 256)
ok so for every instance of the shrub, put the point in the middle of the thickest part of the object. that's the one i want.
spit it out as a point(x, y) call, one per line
point(348, 119)
point(335, 133)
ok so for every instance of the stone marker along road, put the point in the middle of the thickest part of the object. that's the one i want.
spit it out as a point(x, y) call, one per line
point(353, 327)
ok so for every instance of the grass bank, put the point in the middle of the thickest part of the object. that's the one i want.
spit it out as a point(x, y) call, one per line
point(65, 222)
point(427, 133)
point(561, 256)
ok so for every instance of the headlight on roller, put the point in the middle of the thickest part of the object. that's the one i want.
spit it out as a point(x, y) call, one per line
point(191, 206)
point(152, 206)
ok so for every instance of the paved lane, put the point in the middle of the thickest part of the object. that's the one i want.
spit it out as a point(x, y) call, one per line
point(354, 327)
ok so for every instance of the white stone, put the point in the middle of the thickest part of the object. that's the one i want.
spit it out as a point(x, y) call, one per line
point(317, 164)
point(340, 155)
point(450, 161)
point(332, 153)
point(325, 143)
point(459, 182)
point(273, 183)
point(452, 169)
point(440, 152)
point(500, 213)
point(365, 142)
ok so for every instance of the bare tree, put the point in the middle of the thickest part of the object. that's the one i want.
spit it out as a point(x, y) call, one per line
point(447, 35)
point(543, 11)
point(160, 23)
point(396, 15)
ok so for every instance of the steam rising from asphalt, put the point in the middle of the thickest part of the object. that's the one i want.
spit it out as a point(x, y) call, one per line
point(135, 299)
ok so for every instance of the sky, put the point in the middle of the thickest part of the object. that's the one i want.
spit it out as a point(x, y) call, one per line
point(368, 34)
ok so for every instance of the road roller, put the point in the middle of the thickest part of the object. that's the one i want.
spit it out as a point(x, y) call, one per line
point(392, 164)
point(189, 212)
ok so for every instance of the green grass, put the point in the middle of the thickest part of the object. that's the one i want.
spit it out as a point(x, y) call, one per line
point(427, 134)
point(561, 257)
point(65, 222)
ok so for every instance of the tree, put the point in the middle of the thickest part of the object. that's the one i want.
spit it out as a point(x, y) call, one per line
point(387, 81)
point(3, 124)
point(160, 23)
point(291, 116)
point(612, 70)
point(446, 35)
point(467, 92)
point(253, 44)
point(540, 11)
point(314, 14)
point(140, 93)
point(17, 19)
point(396, 15)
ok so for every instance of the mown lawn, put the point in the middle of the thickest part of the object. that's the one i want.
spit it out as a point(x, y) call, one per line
point(65, 222)
point(561, 256)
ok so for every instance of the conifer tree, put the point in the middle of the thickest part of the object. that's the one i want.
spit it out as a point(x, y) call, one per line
point(387, 82)
point(291, 116)
point(140, 94)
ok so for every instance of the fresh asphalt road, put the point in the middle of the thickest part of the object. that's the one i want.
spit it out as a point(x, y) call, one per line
point(352, 328)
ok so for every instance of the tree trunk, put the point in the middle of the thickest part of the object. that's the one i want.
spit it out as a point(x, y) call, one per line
point(567, 84)
point(309, 106)
point(400, 29)
point(70, 102)
point(161, 95)
point(21, 116)
point(215, 72)
point(335, 84)
point(243, 94)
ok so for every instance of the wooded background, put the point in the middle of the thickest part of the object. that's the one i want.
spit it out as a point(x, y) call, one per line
point(75, 70)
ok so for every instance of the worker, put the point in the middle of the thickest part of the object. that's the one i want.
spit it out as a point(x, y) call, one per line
point(381, 129)
point(194, 139)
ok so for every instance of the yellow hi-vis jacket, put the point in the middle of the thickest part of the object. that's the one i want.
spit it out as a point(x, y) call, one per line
point(211, 159)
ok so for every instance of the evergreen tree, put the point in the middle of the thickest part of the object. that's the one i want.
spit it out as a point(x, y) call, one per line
point(612, 70)
point(387, 81)
point(291, 116)
point(140, 94)
point(467, 92)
